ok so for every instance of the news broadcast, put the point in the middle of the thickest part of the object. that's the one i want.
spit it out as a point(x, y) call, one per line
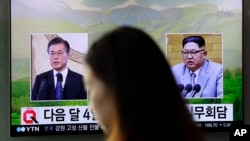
point(47, 104)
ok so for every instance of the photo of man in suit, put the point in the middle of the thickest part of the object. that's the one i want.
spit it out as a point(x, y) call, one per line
point(197, 76)
point(59, 83)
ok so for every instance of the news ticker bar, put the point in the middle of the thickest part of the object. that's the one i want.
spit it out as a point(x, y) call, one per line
point(83, 114)
point(57, 115)
point(240, 132)
point(220, 126)
point(54, 129)
point(94, 128)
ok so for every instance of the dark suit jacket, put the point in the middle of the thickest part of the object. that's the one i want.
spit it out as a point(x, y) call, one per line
point(44, 87)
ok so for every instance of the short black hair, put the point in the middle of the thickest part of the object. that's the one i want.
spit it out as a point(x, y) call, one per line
point(194, 38)
point(58, 40)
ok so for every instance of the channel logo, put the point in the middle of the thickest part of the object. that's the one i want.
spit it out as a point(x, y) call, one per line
point(27, 129)
point(20, 129)
point(29, 116)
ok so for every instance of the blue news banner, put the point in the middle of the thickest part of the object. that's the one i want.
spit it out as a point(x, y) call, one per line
point(240, 132)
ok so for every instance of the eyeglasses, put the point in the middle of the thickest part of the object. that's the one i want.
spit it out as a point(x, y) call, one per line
point(192, 52)
point(59, 54)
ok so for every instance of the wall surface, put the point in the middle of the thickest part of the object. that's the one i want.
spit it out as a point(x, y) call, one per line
point(5, 84)
point(246, 51)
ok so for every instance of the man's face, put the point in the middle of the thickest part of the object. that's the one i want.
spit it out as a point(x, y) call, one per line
point(58, 56)
point(193, 56)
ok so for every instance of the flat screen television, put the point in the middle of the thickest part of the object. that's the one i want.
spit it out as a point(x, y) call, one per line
point(35, 23)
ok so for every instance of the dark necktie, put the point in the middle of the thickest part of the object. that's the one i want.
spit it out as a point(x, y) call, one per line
point(192, 76)
point(59, 86)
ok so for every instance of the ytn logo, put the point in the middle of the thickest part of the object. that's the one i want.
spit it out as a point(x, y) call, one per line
point(27, 129)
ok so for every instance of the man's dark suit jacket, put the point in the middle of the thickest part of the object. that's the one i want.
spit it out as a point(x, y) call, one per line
point(44, 87)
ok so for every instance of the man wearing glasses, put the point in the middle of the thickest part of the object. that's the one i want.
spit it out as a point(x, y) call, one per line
point(198, 76)
point(60, 83)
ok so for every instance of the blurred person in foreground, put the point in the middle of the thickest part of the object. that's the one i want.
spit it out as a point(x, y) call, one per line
point(128, 79)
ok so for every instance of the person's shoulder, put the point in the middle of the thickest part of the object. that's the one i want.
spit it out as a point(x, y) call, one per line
point(177, 66)
point(214, 64)
point(43, 74)
point(73, 73)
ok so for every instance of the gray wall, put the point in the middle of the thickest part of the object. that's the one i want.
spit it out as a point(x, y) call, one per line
point(246, 59)
point(5, 84)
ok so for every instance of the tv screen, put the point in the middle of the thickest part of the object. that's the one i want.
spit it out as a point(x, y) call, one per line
point(215, 100)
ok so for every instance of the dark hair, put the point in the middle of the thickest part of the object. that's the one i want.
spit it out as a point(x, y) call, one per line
point(58, 40)
point(196, 39)
point(149, 104)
